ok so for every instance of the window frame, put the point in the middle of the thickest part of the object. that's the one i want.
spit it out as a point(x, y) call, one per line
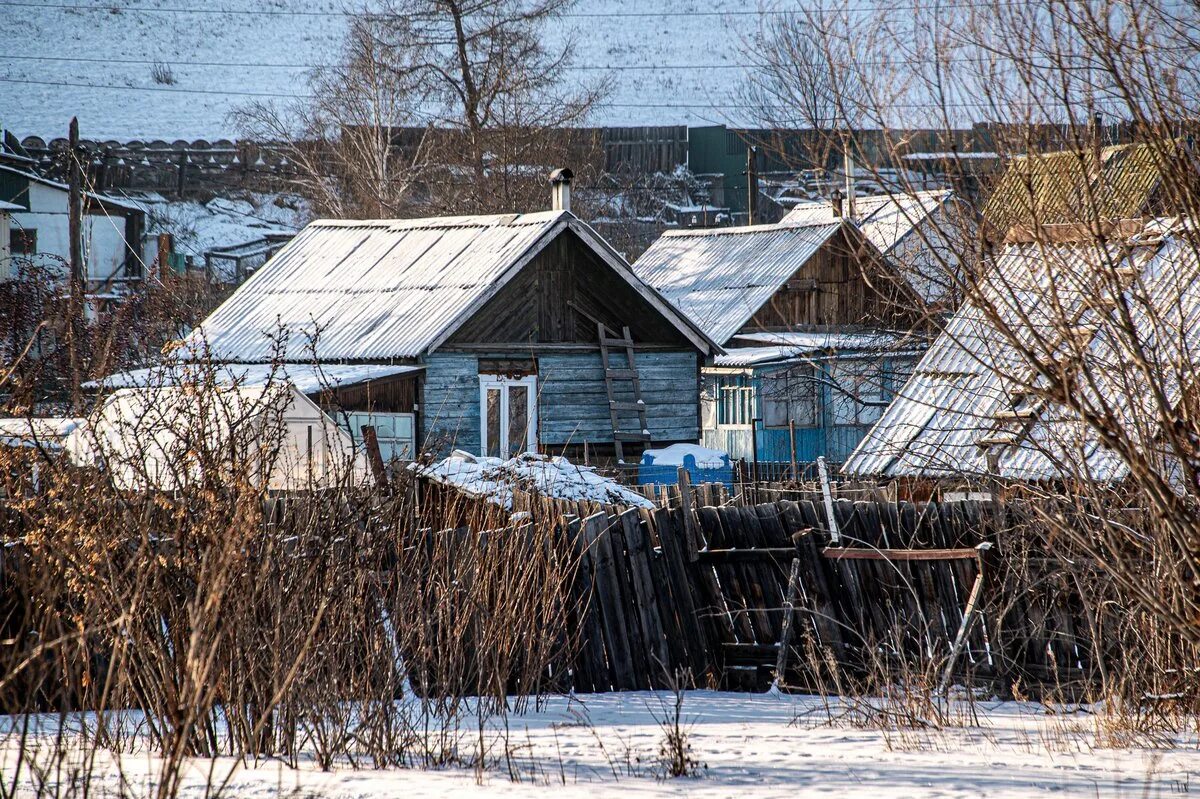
point(504, 383)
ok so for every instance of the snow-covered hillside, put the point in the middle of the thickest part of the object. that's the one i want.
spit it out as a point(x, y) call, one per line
point(94, 59)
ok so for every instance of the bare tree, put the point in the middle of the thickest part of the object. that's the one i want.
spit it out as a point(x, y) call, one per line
point(801, 77)
point(340, 142)
point(1079, 317)
point(453, 105)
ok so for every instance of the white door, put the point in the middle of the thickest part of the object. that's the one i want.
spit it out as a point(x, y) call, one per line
point(507, 415)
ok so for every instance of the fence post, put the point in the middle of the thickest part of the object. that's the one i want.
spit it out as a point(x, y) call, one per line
point(686, 505)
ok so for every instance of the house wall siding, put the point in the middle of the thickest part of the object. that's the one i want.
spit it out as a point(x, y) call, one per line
point(573, 402)
point(450, 403)
point(572, 399)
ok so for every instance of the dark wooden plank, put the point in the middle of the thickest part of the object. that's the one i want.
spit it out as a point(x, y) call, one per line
point(654, 639)
point(612, 611)
point(732, 589)
point(643, 666)
point(668, 617)
point(593, 673)
point(669, 536)
point(749, 602)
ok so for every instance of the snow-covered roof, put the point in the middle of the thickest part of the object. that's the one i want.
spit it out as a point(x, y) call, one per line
point(7, 206)
point(38, 431)
point(720, 277)
point(968, 389)
point(677, 454)
point(308, 378)
point(382, 289)
point(159, 437)
point(753, 349)
point(106, 199)
point(884, 219)
point(888, 222)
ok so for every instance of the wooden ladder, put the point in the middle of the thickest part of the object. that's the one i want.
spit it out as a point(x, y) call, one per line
point(629, 373)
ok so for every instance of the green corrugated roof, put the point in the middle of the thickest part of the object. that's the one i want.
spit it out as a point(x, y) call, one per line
point(1070, 186)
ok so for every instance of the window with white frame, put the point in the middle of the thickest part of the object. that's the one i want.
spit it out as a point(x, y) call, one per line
point(735, 401)
point(507, 415)
point(396, 433)
point(789, 395)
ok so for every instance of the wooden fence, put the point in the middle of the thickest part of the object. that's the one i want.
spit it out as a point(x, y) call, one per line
point(739, 593)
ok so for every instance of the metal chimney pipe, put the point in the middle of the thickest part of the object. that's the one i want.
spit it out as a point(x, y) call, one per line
point(560, 189)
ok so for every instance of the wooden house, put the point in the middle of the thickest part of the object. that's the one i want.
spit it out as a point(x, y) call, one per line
point(813, 319)
point(114, 243)
point(491, 334)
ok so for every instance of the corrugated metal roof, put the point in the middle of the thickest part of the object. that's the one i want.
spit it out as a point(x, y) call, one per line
point(960, 391)
point(388, 289)
point(888, 222)
point(884, 219)
point(370, 290)
point(1071, 186)
point(719, 278)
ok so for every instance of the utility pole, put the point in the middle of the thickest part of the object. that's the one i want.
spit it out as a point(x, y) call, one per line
point(848, 167)
point(751, 182)
point(78, 269)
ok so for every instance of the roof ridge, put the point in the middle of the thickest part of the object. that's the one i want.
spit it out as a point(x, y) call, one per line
point(741, 230)
point(459, 221)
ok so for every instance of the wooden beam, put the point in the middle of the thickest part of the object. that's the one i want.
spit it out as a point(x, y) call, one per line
point(836, 553)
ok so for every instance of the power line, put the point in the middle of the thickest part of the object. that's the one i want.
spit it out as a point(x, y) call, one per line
point(601, 104)
point(176, 62)
point(982, 59)
point(112, 8)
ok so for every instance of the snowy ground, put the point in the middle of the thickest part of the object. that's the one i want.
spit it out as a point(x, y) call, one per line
point(750, 745)
point(93, 58)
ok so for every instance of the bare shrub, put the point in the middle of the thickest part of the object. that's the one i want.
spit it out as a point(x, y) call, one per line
point(162, 74)
point(201, 613)
point(675, 755)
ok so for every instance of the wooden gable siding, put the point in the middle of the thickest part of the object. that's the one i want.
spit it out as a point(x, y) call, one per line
point(572, 401)
point(555, 297)
point(385, 395)
point(843, 284)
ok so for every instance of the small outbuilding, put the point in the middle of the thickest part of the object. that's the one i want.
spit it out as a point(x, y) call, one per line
point(171, 437)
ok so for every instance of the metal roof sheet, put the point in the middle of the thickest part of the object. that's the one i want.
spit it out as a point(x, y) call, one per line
point(387, 289)
point(720, 277)
point(888, 222)
point(752, 349)
point(884, 219)
point(968, 376)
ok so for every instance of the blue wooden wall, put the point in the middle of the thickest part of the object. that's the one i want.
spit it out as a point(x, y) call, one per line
point(450, 403)
point(572, 400)
point(573, 406)
point(834, 441)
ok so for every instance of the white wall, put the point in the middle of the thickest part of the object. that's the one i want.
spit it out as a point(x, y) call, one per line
point(103, 236)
